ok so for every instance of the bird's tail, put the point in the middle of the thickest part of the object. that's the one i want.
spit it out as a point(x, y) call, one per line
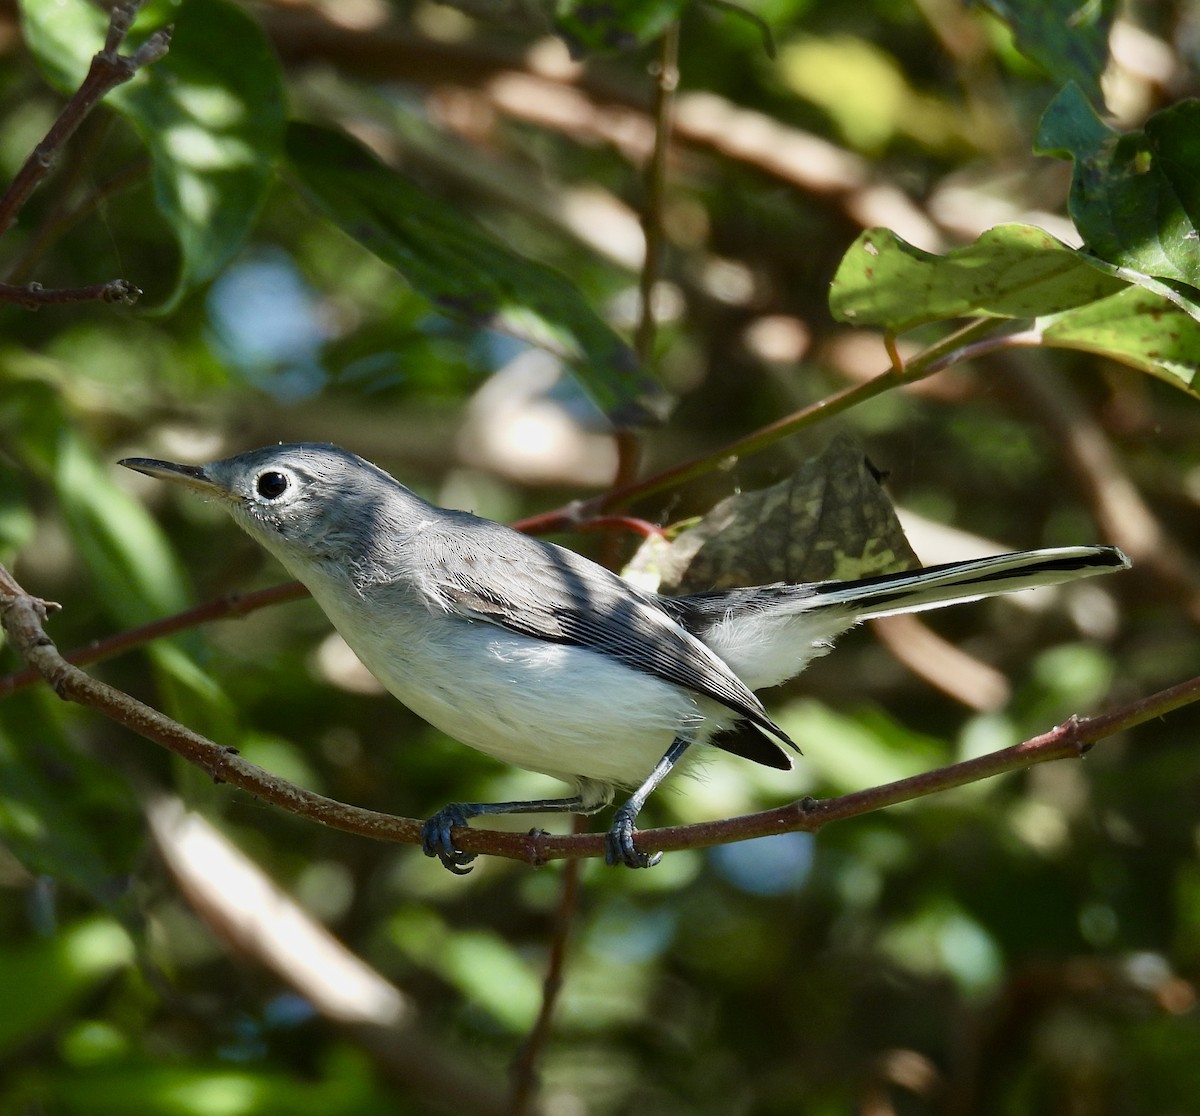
point(767, 634)
point(934, 586)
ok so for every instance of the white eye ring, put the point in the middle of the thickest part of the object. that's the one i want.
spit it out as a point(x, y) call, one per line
point(270, 484)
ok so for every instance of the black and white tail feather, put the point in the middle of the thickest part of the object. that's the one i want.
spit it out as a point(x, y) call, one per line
point(767, 634)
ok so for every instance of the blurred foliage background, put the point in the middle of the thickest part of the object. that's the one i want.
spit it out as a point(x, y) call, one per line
point(1026, 945)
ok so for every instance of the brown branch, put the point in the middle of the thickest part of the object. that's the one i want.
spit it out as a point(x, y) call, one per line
point(23, 615)
point(109, 69)
point(34, 295)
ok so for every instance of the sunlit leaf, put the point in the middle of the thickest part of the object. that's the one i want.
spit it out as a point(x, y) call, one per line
point(212, 116)
point(1011, 271)
point(1138, 328)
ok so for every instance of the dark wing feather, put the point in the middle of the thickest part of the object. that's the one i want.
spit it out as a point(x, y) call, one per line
point(545, 591)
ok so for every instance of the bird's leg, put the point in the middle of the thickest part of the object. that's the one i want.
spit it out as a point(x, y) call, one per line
point(618, 842)
point(436, 838)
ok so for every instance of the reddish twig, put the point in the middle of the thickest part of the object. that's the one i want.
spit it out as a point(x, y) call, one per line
point(641, 527)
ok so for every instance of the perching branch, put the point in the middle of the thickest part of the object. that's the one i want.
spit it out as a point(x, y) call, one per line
point(23, 617)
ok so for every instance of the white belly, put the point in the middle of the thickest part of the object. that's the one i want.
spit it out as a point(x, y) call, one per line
point(553, 708)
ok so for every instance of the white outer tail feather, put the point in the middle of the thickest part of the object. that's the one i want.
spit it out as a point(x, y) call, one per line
point(918, 590)
point(768, 647)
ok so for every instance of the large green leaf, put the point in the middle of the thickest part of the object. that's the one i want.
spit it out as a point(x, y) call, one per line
point(1135, 196)
point(1137, 327)
point(211, 114)
point(465, 272)
point(1012, 271)
point(65, 814)
point(1066, 38)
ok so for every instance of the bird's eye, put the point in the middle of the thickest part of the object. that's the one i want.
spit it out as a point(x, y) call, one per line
point(271, 485)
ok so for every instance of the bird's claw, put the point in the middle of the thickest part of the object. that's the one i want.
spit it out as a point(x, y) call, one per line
point(619, 847)
point(436, 839)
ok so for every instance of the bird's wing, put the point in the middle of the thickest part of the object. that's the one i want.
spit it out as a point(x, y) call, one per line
point(545, 591)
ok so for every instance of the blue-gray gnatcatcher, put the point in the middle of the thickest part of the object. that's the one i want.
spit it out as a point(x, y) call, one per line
point(541, 658)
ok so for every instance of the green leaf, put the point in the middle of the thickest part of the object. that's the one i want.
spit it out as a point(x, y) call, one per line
point(1135, 197)
point(1137, 327)
point(868, 749)
point(136, 573)
point(64, 814)
point(211, 114)
point(43, 980)
point(1066, 38)
point(614, 25)
point(137, 577)
point(1012, 271)
point(464, 271)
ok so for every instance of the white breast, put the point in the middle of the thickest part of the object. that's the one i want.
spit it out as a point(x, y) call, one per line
point(553, 708)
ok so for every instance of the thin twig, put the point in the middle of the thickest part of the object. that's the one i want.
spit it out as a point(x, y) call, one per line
point(23, 616)
point(963, 344)
point(525, 1065)
point(109, 69)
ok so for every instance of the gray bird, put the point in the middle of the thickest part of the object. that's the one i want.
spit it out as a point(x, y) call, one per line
point(543, 659)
